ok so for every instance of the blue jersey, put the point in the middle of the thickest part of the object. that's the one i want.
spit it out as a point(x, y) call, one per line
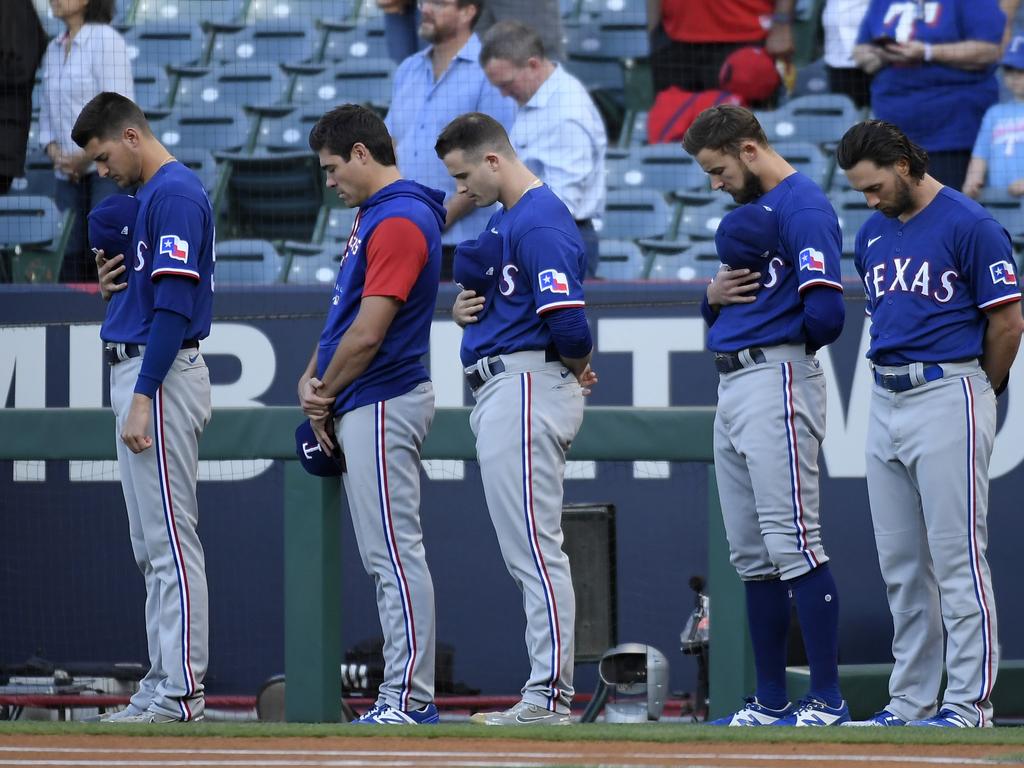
point(172, 259)
point(810, 246)
point(543, 264)
point(928, 280)
point(394, 250)
point(937, 106)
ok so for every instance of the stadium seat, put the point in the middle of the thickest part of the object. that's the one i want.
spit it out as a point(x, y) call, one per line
point(312, 264)
point(360, 81)
point(619, 260)
point(806, 158)
point(152, 86)
point(34, 235)
point(191, 11)
point(820, 119)
point(272, 196)
point(853, 211)
point(247, 262)
point(1005, 208)
point(200, 161)
point(698, 262)
point(290, 132)
point(307, 10)
point(347, 41)
point(233, 85)
point(285, 41)
point(700, 221)
point(175, 43)
point(632, 214)
point(339, 220)
point(38, 179)
point(205, 126)
point(662, 167)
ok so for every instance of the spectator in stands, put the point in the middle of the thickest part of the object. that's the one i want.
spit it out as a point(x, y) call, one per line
point(22, 42)
point(690, 39)
point(841, 20)
point(558, 132)
point(401, 18)
point(430, 89)
point(999, 150)
point(89, 58)
point(934, 73)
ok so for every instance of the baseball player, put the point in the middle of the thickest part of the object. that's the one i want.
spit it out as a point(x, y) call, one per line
point(366, 391)
point(526, 348)
point(944, 304)
point(159, 390)
point(766, 317)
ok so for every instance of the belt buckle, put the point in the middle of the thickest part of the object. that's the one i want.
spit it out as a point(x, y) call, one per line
point(890, 381)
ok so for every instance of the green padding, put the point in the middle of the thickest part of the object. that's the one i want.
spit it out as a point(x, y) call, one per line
point(866, 687)
point(610, 434)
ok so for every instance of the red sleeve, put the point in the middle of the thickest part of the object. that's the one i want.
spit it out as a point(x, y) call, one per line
point(395, 256)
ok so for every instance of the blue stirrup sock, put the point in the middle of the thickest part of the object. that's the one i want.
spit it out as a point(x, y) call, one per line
point(817, 605)
point(768, 620)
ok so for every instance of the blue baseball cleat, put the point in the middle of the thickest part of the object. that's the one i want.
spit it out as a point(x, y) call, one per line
point(385, 714)
point(753, 713)
point(811, 712)
point(946, 718)
point(883, 719)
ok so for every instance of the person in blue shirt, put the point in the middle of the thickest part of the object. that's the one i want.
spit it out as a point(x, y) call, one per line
point(779, 299)
point(997, 160)
point(432, 87)
point(160, 304)
point(526, 350)
point(934, 73)
point(944, 303)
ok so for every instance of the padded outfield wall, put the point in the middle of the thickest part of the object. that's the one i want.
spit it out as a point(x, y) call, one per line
point(69, 590)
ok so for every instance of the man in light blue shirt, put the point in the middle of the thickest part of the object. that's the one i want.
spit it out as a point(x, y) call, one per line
point(558, 132)
point(433, 87)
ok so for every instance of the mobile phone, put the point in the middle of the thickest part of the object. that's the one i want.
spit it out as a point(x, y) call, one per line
point(883, 40)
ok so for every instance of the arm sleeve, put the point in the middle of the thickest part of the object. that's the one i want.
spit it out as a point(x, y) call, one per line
point(989, 265)
point(180, 228)
point(813, 236)
point(555, 265)
point(864, 34)
point(824, 313)
point(707, 312)
point(570, 332)
point(46, 134)
point(166, 333)
point(395, 257)
point(982, 20)
point(111, 65)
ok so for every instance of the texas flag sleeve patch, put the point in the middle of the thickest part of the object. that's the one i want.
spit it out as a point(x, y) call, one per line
point(554, 281)
point(174, 247)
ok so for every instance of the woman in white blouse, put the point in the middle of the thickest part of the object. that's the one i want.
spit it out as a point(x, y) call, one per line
point(88, 58)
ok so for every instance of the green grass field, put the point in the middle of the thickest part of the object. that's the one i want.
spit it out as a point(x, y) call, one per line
point(655, 732)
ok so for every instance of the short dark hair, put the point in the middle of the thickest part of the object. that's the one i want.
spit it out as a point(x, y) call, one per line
point(723, 128)
point(883, 144)
point(473, 133)
point(513, 41)
point(99, 12)
point(105, 116)
point(343, 127)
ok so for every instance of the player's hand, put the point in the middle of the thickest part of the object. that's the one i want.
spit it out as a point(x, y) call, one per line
point(779, 42)
point(314, 404)
point(135, 430)
point(587, 379)
point(109, 271)
point(467, 306)
point(734, 286)
point(1016, 188)
point(323, 430)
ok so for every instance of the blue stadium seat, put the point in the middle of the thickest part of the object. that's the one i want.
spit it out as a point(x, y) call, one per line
point(286, 41)
point(308, 10)
point(820, 119)
point(662, 167)
point(360, 81)
point(312, 264)
point(700, 222)
point(339, 222)
point(632, 214)
point(159, 44)
point(211, 127)
point(853, 211)
point(1005, 208)
point(290, 132)
point(200, 161)
point(191, 11)
point(347, 41)
point(34, 235)
point(806, 158)
point(152, 86)
point(38, 178)
point(698, 262)
point(234, 85)
point(619, 260)
point(247, 262)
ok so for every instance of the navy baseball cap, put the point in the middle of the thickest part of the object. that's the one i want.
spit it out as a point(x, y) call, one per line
point(1014, 56)
point(111, 224)
point(477, 263)
point(312, 456)
point(748, 236)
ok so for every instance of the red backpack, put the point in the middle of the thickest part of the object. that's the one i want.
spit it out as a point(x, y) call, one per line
point(674, 110)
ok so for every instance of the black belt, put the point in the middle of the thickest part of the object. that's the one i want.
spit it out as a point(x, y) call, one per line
point(115, 353)
point(901, 382)
point(728, 362)
point(496, 365)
